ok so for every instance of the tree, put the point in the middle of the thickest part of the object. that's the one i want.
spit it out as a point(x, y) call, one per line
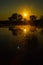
point(41, 18)
point(16, 17)
point(41, 21)
point(33, 20)
point(20, 17)
point(33, 17)
point(13, 17)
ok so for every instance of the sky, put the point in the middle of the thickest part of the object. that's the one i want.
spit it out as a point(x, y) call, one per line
point(8, 7)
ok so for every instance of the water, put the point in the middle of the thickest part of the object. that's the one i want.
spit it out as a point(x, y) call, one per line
point(9, 37)
point(15, 41)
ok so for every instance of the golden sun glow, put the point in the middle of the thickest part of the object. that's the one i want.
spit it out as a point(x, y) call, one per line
point(25, 12)
point(25, 30)
point(25, 15)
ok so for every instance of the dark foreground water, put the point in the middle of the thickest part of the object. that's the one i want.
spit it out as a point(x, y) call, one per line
point(21, 45)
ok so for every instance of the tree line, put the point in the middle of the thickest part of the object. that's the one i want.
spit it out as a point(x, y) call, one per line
point(17, 19)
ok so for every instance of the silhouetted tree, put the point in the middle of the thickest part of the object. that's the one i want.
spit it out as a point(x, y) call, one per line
point(41, 21)
point(20, 17)
point(33, 17)
point(16, 18)
point(13, 17)
point(41, 18)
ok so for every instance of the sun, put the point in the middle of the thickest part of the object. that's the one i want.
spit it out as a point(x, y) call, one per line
point(25, 12)
point(25, 30)
point(25, 15)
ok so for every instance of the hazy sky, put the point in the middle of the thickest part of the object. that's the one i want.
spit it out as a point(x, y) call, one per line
point(7, 7)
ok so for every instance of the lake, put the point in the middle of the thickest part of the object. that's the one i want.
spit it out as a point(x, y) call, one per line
point(17, 40)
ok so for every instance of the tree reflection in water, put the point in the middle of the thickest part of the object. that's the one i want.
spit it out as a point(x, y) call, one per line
point(26, 48)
